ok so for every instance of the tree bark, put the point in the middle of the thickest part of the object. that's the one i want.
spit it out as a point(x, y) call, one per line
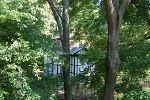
point(66, 49)
point(114, 17)
point(63, 29)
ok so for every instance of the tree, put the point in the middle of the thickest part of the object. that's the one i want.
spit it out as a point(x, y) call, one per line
point(133, 31)
point(22, 47)
point(63, 30)
point(114, 14)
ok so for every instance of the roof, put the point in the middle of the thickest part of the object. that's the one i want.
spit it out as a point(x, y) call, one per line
point(75, 50)
point(74, 46)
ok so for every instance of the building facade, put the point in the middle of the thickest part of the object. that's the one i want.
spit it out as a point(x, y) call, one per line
point(76, 67)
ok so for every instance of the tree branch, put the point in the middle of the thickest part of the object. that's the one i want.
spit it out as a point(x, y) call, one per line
point(123, 7)
point(109, 9)
point(57, 18)
point(54, 7)
point(58, 12)
point(116, 5)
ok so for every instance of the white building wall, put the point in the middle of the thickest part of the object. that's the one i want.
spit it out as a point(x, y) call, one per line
point(76, 66)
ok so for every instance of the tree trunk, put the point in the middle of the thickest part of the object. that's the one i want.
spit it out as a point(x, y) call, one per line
point(66, 49)
point(63, 28)
point(112, 65)
point(114, 17)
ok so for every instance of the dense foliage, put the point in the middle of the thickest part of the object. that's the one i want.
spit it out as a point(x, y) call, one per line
point(26, 29)
point(24, 40)
point(90, 25)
